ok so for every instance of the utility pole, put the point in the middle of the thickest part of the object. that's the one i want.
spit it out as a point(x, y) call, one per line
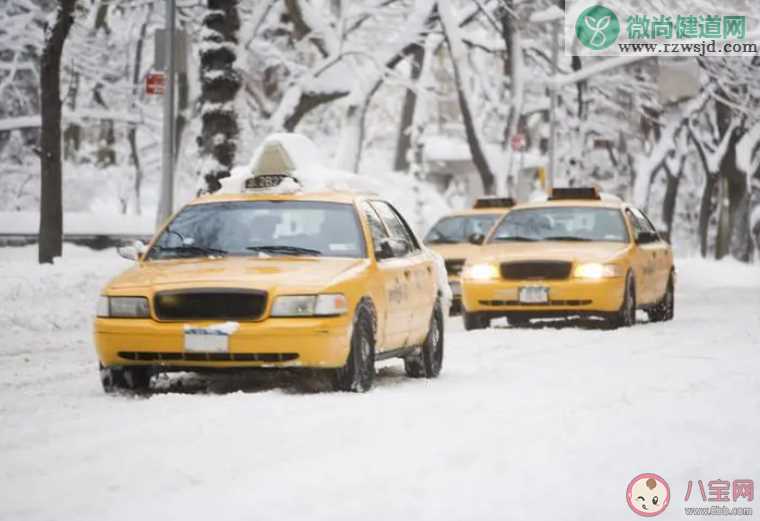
point(553, 108)
point(166, 200)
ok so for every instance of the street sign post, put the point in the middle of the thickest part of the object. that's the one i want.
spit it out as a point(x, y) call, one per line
point(166, 197)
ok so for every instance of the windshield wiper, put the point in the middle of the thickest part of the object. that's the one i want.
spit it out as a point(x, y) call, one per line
point(443, 240)
point(515, 238)
point(566, 238)
point(287, 250)
point(192, 248)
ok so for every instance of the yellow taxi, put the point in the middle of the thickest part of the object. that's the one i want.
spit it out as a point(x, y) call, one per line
point(331, 281)
point(577, 253)
point(457, 235)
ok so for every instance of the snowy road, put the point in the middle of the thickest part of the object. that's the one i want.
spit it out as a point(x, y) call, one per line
point(522, 424)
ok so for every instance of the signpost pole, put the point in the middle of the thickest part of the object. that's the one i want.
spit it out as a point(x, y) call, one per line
point(166, 201)
point(553, 109)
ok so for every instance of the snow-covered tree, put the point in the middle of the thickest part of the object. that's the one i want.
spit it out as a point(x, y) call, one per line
point(220, 82)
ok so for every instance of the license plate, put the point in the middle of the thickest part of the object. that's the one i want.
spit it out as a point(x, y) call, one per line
point(534, 295)
point(206, 341)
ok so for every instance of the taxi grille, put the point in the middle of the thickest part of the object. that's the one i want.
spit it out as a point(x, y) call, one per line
point(210, 304)
point(454, 266)
point(576, 302)
point(156, 356)
point(545, 270)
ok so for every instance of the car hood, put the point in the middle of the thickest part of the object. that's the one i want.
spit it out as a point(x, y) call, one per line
point(242, 272)
point(552, 250)
point(455, 251)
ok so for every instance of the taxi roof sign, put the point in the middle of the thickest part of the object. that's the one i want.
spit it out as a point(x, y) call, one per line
point(493, 202)
point(273, 159)
point(587, 193)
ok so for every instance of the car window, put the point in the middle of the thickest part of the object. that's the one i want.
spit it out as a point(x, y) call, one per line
point(458, 229)
point(635, 222)
point(395, 224)
point(644, 221)
point(562, 223)
point(262, 228)
point(376, 228)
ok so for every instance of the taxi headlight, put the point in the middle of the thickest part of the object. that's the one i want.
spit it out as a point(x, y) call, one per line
point(123, 307)
point(593, 270)
point(325, 305)
point(481, 272)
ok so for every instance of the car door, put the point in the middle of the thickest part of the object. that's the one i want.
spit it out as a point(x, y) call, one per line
point(420, 270)
point(662, 256)
point(395, 308)
point(643, 260)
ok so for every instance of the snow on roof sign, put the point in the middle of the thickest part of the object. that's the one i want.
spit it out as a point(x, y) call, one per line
point(273, 159)
point(271, 167)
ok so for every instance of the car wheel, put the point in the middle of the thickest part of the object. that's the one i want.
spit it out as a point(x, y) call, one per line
point(475, 321)
point(115, 379)
point(627, 315)
point(665, 309)
point(429, 362)
point(359, 372)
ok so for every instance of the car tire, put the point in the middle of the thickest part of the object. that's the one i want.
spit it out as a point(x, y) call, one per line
point(359, 372)
point(116, 379)
point(474, 321)
point(665, 309)
point(429, 361)
point(626, 316)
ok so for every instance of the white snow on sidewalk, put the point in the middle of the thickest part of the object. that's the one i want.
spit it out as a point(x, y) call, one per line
point(522, 424)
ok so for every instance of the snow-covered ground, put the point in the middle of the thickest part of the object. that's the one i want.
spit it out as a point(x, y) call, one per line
point(522, 424)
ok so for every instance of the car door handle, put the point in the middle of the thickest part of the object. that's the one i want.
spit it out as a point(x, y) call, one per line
point(407, 273)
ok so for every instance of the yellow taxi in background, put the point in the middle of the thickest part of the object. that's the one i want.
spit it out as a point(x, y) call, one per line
point(331, 281)
point(456, 236)
point(578, 253)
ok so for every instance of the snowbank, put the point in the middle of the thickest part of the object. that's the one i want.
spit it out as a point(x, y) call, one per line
point(515, 413)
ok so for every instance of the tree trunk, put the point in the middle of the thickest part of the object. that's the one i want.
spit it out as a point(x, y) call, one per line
point(459, 54)
point(220, 82)
point(671, 196)
point(478, 155)
point(72, 136)
point(51, 197)
point(132, 132)
point(742, 246)
point(404, 139)
point(705, 211)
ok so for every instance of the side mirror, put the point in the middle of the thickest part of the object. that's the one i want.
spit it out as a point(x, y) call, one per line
point(389, 248)
point(132, 251)
point(476, 239)
point(647, 238)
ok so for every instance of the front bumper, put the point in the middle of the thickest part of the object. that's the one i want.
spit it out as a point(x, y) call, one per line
point(280, 342)
point(566, 297)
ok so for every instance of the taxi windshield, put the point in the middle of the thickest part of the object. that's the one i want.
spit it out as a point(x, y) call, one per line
point(452, 230)
point(562, 224)
point(262, 228)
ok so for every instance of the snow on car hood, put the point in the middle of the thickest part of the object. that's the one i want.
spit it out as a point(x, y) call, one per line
point(247, 272)
point(552, 250)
